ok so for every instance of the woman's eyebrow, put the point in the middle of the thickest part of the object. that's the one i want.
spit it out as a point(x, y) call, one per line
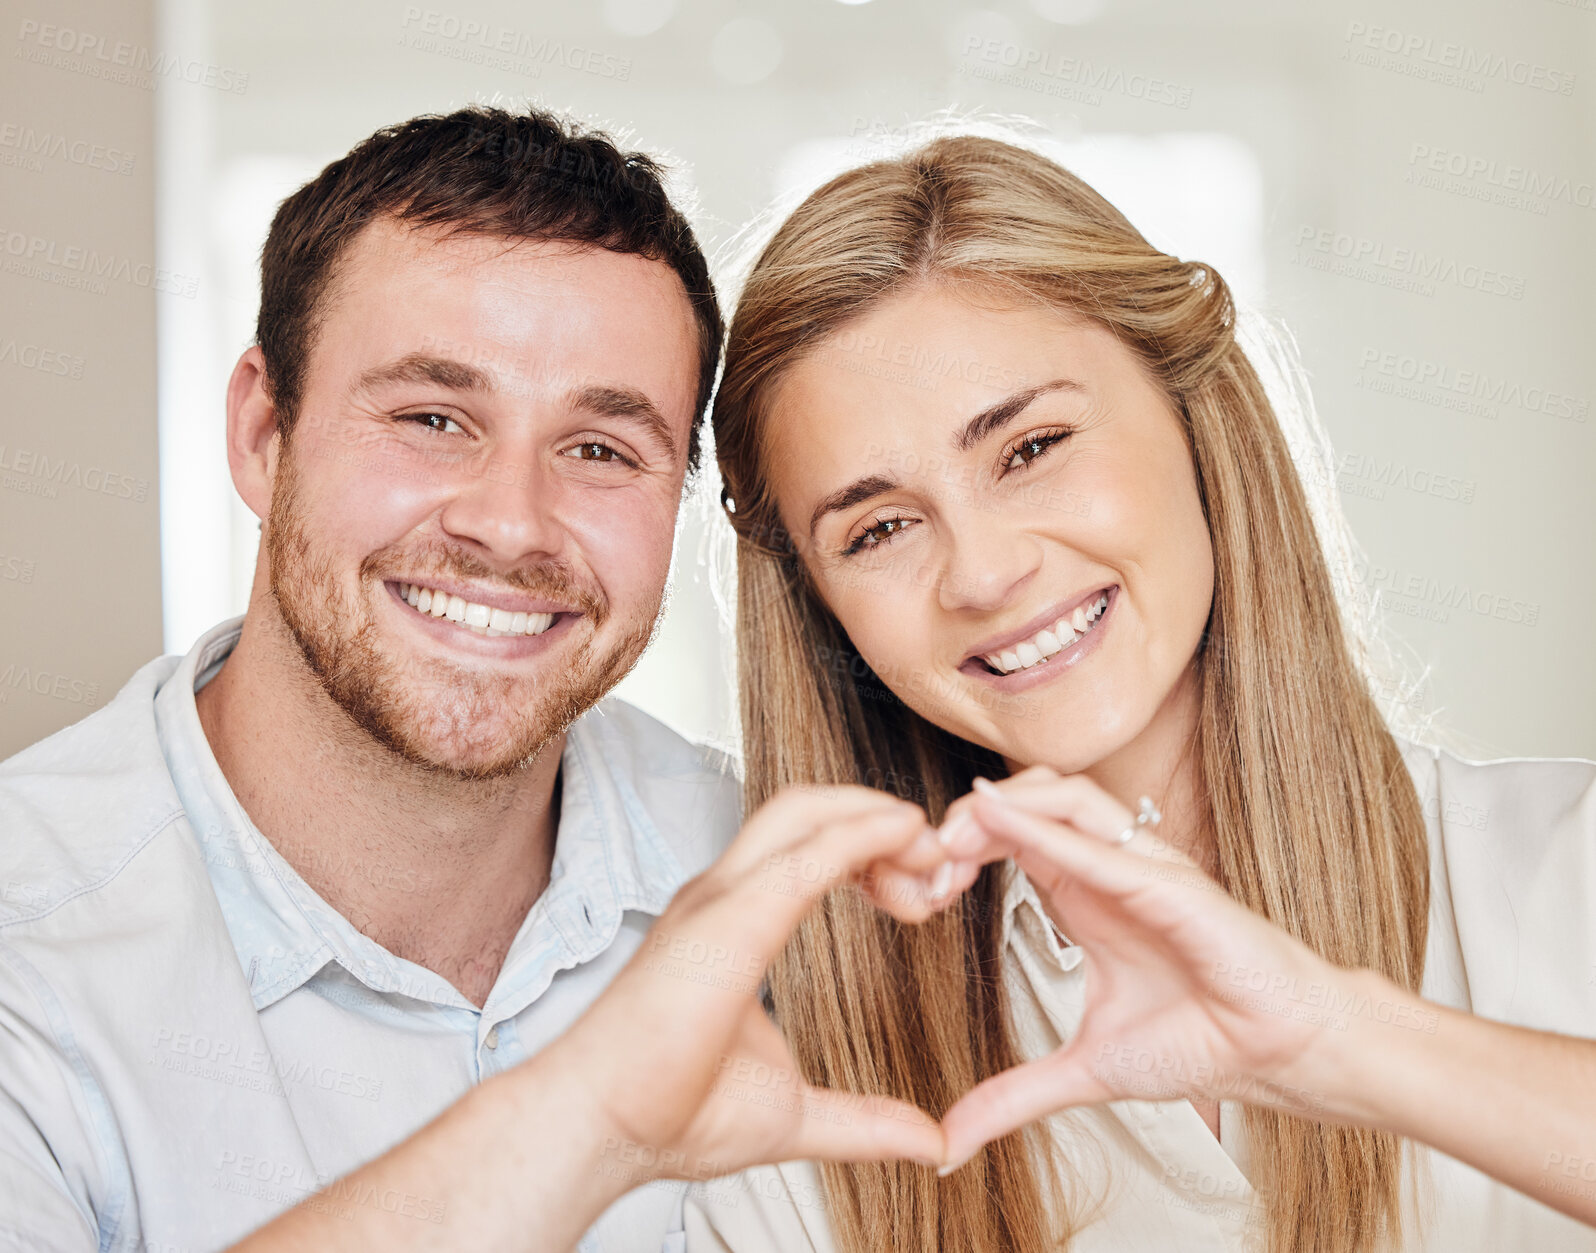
point(855, 493)
point(973, 432)
point(1006, 410)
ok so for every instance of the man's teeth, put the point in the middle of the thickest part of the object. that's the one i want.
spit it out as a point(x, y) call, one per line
point(474, 617)
point(1045, 643)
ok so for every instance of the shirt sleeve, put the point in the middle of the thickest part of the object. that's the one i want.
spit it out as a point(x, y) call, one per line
point(49, 1164)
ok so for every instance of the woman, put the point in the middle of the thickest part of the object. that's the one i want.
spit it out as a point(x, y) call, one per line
point(1008, 494)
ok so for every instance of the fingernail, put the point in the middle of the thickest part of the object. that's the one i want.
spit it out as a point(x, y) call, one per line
point(943, 881)
point(944, 1171)
point(987, 788)
point(952, 829)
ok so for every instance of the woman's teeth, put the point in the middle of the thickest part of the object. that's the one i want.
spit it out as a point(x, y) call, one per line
point(1045, 643)
point(474, 617)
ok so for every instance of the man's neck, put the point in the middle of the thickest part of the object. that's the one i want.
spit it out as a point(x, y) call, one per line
point(438, 871)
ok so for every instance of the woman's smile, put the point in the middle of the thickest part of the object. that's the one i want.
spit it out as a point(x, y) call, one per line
point(1047, 647)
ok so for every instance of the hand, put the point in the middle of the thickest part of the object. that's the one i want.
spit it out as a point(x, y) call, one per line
point(687, 1073)
point(1188, 993)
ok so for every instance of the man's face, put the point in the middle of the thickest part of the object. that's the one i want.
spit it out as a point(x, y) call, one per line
point(501, 422)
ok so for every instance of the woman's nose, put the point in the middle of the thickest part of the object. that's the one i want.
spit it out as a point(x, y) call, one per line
point(987, 561)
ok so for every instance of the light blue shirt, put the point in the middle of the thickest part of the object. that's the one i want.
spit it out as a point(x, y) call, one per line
point(192, 1040)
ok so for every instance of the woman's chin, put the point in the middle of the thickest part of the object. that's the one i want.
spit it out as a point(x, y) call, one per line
point(1060, 740)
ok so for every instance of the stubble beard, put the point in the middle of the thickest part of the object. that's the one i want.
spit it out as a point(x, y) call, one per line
point(449, 720)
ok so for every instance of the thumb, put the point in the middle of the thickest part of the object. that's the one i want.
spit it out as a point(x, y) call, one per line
point(1016, 1097)
point(851, 1127)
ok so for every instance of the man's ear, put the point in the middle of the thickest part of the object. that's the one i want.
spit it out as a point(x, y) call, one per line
point(252, 436)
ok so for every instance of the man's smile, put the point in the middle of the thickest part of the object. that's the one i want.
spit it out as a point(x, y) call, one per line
point(527, 628)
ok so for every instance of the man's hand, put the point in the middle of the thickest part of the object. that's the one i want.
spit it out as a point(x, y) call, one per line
point(675, 1071)
point(688, 1073)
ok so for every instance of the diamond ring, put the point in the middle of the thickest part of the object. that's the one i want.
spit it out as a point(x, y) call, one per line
point(1148, 816)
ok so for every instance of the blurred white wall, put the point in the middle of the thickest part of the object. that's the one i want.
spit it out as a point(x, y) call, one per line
point(1410, 190)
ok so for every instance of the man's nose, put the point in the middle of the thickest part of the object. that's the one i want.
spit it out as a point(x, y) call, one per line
point(508, 505)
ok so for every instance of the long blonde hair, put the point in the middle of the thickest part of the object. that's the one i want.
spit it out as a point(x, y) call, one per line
point(1317, 822)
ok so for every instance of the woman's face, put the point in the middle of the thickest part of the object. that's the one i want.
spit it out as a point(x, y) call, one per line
point(970, 484)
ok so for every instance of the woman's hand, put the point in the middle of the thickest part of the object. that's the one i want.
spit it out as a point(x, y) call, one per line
point(1188, 993)
point(680, 1062)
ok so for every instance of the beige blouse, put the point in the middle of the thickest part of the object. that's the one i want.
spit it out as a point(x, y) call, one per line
point(1512, 937)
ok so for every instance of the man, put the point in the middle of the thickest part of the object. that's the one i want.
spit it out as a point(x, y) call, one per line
point(287, 898)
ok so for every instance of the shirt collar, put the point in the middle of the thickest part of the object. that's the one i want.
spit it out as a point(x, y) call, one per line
point(282, 930)
point(1026, 924)
point(610, 857)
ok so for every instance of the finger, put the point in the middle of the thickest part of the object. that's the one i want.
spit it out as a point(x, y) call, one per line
point(1031, 774)
point(922, 856)
point(1073, 798)
point(965, 873)
point(1065, 852)
point(850, 1127)
point(1143, 842)
point(964, 837)
point(796, 813)
point(920, 897)
point(760, 907)
point(720, 932)
point(907, 897)
point(1014, 1098)
point(1087, 807)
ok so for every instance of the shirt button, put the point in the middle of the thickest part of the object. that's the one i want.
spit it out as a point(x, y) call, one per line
point(492, 1040)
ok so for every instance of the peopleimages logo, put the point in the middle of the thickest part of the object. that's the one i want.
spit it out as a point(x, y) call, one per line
point(34, 256)
point(1424, 596)
point(29, 143)
point(1360, 257)
point(20, 677)
point(1041, 69)
point(44, 360)
point(498, 47)
point(1424, 56)
point(1488, 175)
point(134, 65)
point(1447, 382)
point(24, 466)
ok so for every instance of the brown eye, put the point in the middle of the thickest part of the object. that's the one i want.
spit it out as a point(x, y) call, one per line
point(878, 534)
point(599, 453)
point(1032, 447)
point(428, 419)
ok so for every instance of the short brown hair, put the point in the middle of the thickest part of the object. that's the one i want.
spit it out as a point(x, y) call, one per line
point(482, 170)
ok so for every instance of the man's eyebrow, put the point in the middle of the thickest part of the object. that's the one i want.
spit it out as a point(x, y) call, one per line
point(855, 493)
point(1006, 410)
point(625, 402)
point(418, 367)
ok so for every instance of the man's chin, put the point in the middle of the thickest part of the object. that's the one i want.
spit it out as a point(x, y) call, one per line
point(448, 760)
point(456, 721)
point(471, 741)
